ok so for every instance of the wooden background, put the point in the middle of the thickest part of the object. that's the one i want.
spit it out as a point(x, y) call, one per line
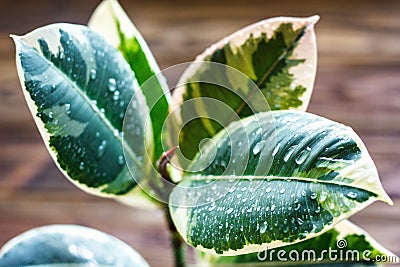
point(358, 83)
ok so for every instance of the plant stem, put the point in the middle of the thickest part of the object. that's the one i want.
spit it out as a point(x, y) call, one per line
point(178, 244)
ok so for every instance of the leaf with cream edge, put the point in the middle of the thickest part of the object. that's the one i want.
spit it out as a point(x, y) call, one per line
point(274, 182)
point(78, 87)
point(111, 22)
point(357, 247)
point(279, 55)
point(68, 245)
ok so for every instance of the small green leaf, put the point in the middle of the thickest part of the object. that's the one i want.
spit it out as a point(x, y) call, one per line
point(111, 22)
point(78, 88)
point(278, 55)
point(68, 245)
point(277, 178)
point(349, 245)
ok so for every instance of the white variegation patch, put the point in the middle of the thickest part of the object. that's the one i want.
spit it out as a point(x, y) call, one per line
point(104, 21)
point(364, 173)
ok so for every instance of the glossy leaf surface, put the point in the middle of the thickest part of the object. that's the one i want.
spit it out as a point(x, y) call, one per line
point(274, 191)
point(111, 22)
point(78, 87)
point(343, 245)
point(68, 245)
point(278, 55)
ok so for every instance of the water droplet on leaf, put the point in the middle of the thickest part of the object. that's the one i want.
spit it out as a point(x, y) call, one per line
point(82, 165)
point(301, 157)
point(352, 195)
point(101, 148)
point(263, 227)
point(323, 196)
point(289, 153)
point(300, 221)
point(318, 209)
point(116, 95)
point(257, 148)
point(276, 149)
point(93, 74)
point(112, 84)
point(121, 160)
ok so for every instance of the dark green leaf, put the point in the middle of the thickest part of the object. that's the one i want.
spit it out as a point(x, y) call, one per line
point(277, 178)
point(349, 245)
point(277, 55)
point(78, 88)
point(68, 245)
point(110, 21)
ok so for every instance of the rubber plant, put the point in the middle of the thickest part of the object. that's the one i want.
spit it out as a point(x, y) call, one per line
point(267, 174)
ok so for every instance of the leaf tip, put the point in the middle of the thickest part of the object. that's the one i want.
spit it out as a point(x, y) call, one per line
point(385, 198)
point(17, 41)
point(15, 38)
point(313, 19)
point(110, 2)
point(388, 200)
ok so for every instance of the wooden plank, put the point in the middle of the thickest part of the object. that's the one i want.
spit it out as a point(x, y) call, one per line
point(146, 230)
point(358, 84)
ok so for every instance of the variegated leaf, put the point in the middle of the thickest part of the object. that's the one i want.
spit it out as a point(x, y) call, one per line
point(349, 246)
point(111, 22)
point(279, 55)
point(68, 245)
point(274, 182)
point(78, 88)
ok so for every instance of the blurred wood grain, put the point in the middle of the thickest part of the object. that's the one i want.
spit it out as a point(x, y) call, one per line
point(358, 84)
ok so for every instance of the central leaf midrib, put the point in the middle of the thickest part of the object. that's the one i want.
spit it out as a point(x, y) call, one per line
point(88, 101)
point(269, 71)
point(284, 53)
point(270, 177)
